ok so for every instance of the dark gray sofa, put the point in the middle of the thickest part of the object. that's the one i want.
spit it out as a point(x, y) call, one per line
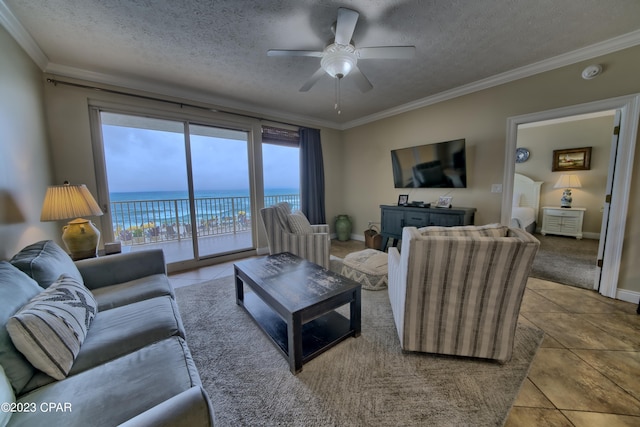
point(134, 366)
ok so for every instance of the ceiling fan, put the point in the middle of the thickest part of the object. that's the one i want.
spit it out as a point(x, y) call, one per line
point(340, 58)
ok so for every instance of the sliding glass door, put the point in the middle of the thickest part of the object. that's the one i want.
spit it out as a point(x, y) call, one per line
point(175, 185)
point(220, 170)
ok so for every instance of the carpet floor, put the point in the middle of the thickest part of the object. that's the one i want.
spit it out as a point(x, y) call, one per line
point(362, 381)
point(566, 260)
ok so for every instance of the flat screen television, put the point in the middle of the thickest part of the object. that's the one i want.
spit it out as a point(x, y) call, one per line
point(438, 165)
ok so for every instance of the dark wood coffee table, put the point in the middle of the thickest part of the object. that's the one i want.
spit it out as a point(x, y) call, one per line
point(293, 301)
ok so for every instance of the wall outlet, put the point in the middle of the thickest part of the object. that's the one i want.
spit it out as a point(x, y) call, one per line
point(496, 188)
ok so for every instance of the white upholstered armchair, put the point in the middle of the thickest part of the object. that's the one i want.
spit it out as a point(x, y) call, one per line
point(458, 290)
point(291, 232)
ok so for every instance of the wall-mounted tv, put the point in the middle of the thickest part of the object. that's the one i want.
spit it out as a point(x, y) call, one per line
point(439, 165)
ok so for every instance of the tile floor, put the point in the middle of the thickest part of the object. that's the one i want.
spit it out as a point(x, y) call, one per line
point(587, 370)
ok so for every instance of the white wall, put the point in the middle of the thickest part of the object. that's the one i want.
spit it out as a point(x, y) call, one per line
point(481, 118)
point(24, 151)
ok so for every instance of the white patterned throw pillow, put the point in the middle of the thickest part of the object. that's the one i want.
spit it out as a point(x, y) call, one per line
point(52, 326)
point(299, 224)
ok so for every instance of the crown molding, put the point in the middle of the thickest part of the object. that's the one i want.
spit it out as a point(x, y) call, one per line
point(602, 48)
point(185, 94)
point(22, 37)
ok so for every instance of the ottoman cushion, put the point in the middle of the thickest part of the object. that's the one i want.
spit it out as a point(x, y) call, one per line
point(367, 267)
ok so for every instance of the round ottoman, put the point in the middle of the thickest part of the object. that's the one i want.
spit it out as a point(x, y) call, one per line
point(367, 267)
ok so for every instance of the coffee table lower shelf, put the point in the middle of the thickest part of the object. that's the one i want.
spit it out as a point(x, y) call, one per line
point(318, 335)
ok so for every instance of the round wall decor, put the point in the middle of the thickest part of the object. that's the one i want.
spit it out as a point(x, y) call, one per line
point(522, 155)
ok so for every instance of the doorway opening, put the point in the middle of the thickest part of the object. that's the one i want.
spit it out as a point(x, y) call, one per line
point(618, 200)
point(569, 236)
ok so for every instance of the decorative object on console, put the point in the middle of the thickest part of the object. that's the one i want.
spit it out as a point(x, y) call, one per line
point(573, 159)
point(522, 155)
point(567, 182)
point(73, 201)
point(444, 202)
point(343, 227)
point(403, 199)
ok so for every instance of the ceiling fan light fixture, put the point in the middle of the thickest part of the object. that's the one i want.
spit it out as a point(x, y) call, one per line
point(338, 60)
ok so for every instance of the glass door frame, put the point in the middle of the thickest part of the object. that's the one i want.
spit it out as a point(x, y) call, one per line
point(195, 117)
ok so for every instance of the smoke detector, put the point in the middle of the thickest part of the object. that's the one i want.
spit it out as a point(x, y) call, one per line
point(591, 72)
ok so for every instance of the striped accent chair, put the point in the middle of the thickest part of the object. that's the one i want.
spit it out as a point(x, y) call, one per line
point(313, 245)
point(458, 291)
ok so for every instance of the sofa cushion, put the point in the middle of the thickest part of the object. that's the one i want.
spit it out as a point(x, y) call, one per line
point(155, 285)
point(120, 331)
point(299, 224)
point(6, 396)
point(116, 391)
point(45, 261)
point(50, 329)
point(489, 230)
point(16, 289)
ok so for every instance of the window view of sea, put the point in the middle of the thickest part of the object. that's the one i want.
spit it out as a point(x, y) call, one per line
point(148, 210)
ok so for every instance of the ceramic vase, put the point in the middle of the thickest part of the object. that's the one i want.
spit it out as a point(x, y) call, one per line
point(343, 227)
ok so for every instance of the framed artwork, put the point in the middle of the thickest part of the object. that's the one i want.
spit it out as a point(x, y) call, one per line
point(403, 199)
point(574, 159)
point(444, 202)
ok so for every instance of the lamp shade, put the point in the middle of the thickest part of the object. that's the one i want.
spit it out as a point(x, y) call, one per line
point(68, 201)
point(568, 181)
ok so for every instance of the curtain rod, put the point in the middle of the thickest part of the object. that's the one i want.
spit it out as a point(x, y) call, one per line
point(179, 104)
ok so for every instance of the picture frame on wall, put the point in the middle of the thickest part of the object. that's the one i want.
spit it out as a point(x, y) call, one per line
point(403, 199)
point(573, 159)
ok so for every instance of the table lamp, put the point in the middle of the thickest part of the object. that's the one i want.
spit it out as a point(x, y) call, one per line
point(567, 182)
point(73, 201)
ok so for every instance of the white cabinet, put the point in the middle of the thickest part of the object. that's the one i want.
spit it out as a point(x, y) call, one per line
point(562, 221)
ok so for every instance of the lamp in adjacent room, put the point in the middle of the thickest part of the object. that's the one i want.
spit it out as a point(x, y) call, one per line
point(567, 182)
point(73, 201)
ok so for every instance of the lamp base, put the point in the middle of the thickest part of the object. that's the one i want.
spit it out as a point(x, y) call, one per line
point(565, 201)
point(81, 238)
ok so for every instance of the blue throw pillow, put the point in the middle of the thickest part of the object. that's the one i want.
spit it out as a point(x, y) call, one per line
point(45, 262)
point(16, 289)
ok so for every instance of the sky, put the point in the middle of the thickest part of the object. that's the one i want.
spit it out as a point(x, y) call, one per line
point(154, 160)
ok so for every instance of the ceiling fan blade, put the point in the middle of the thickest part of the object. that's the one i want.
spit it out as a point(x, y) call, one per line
point(386, 52)
point(345, 25)
point(312, 80)
point(280, 52)
point(361, 80)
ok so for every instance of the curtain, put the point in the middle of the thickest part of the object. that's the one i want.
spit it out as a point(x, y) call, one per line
point(311, 176)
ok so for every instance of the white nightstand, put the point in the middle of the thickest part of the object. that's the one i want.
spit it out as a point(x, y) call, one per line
point(562, 221)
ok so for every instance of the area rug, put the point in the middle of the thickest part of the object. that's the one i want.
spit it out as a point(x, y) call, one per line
point(362, 381)
point(566, 260)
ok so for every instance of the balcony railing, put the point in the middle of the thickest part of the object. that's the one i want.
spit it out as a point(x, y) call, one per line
point(137, 222)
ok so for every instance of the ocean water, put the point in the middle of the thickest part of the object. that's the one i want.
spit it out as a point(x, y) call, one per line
point(162, 208)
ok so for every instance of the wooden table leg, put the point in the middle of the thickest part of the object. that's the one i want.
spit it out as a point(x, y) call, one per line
point(239, 288)
point(355, 312)
point(294, 331)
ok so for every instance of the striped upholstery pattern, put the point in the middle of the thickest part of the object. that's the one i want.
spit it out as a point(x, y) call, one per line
point(313, 247)
point(459, 294)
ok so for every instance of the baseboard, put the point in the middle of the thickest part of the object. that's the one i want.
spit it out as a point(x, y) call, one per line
point(628, 296)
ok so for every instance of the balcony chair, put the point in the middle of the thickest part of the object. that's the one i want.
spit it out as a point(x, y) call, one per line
point(458, 290)
point(291, 232)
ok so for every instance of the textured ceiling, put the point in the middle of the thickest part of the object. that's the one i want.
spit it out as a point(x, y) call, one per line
point(217, 48)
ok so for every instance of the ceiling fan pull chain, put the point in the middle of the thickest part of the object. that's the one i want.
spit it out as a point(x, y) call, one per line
point(337, 103)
